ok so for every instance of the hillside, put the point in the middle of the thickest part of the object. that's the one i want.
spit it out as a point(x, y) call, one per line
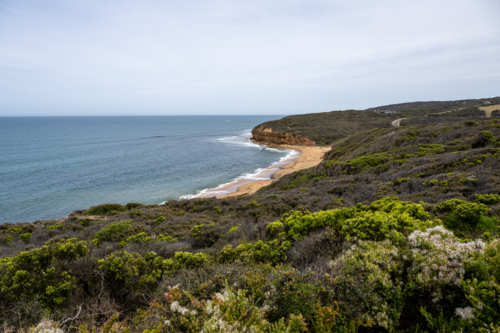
point(395, 231)
point(437, 106)
point(324, 128)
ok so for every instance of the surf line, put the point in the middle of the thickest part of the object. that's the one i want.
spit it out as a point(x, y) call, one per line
point(261, 176)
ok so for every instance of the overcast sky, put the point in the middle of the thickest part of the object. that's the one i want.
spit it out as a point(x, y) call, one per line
point(148, 57)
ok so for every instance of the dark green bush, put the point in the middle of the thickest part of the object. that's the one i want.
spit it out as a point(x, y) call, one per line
point(132, 205)
point(25, 237)
point(105, 209)
point(292, 295)
point(114, 232)
point(204, 235)
point(84, 223)
point(251, 204)
point(488, 136)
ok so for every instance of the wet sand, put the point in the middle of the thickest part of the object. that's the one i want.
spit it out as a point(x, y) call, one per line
point(309, 157)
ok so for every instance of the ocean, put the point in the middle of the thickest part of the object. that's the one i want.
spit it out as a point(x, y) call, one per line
point(51, 166)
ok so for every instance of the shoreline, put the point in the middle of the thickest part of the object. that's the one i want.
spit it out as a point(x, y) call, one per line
point(309, 156)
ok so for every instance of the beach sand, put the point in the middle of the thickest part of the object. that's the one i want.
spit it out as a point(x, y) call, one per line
point(309, 157)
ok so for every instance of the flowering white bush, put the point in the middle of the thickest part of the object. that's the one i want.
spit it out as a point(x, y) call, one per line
point(176, 307)
point(367, 270)
point(227, 313)
point(47, 326)
point(438, 257)
point(465, 313)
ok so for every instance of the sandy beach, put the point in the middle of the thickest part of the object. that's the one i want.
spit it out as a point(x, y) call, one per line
point(307, 157)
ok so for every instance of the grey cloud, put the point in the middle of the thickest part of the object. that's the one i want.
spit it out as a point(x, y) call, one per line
point(225, 57)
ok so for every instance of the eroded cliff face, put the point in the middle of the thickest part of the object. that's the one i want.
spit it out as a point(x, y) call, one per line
point(267, 136)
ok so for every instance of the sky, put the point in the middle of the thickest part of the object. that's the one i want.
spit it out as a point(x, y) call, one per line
point(217, 57)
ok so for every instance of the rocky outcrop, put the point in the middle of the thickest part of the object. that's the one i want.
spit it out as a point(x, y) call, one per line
point(267, 136)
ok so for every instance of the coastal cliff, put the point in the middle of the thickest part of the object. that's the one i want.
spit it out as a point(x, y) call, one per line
point(267, 135)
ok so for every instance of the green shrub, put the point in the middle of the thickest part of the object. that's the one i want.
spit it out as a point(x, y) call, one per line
point(470, 123)
point(7, 240)
point(273, 228)
point(132, 205)
point(401, 181)
point(251, 204)
point(470, 213)
point(84, 223)
point(105, 209)
point(365, 285)
point(463, 216)
point(185, 260)
point(456, 142)
point(394, 205)
point(444, 183)
point(204, 235)
point(379, 225)
point(332, 162)
point(430, 149)
point(434, 181)
point(169, 239)
point(487, 199)
point(41, 273)
point(483, 289)
point(299, 224)
point(259, 252)
point(291, 296)
point(54, 227)
point(442, 323)
point(370, 161)
point(448, 205)
point(411, 135)
point(160, 219)
point(25, 237)
point(141, 238)
point(123, 269)
point(217, 209)
point(488, 136)
point(114, 232)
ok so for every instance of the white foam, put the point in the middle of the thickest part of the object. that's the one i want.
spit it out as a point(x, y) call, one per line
point(259, 174)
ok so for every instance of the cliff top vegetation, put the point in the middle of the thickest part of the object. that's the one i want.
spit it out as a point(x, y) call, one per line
point(326, 127)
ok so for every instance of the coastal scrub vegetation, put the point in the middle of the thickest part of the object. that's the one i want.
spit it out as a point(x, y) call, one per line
point(326, 127)
point(397, 230)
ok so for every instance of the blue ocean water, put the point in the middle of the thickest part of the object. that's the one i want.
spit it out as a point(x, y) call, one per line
point(51, 166)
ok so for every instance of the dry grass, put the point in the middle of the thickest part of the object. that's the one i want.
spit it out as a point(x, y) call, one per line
point(489, 109)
